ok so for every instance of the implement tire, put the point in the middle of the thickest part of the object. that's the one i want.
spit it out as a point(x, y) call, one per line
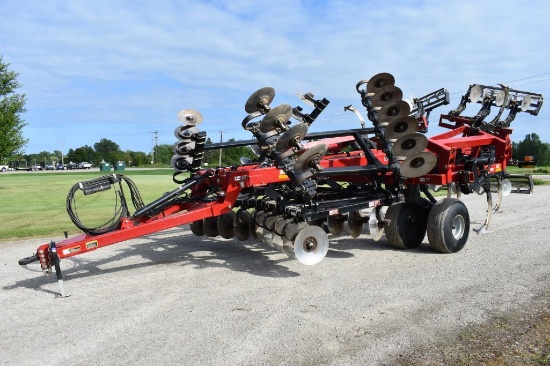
point(448, 225)
point(407, 227)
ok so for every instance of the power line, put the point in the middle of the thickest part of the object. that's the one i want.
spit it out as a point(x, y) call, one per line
point(534, 82)
point(527, 78)
point(521, 79)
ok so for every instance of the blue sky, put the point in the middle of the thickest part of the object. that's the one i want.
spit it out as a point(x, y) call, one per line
point(123, 69)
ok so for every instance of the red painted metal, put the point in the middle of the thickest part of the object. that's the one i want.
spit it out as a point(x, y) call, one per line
point(231, 181)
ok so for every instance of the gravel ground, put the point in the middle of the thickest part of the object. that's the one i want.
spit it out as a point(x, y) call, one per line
point(173, 298)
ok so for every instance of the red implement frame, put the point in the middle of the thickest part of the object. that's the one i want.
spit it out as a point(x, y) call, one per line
point(445, 146)
point(231, 182)
point(462, 138)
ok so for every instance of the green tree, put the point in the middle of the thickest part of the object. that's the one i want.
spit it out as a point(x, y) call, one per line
point(59, 155)
point(84, 153)
point(70, 155)
point(532, 146)
point(209, 156)
point(108, 150)
point(232, 155)
point(137, 158)
point(164, 154)
point(42, 158)
point(11, 106)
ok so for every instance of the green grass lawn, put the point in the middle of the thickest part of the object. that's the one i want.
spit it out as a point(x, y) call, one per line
point(537, 170)
point(544, 170)
point(34, 204)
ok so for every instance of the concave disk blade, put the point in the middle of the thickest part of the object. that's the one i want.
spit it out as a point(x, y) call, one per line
point(190, 117)
point(400, 126)
point(259, 99)
point(225, 225)
point(355, 224)
point(309, 158)
point(379, 81)
point(418, 164)
point(294, 134)
point(336, 224)
point(385, 95)
point(275, 118)
point(311, 245)
point(410, 144)
point(241, 225)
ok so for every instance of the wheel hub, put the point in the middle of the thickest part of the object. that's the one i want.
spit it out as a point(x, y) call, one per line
point(310, 244)
point(459, 225)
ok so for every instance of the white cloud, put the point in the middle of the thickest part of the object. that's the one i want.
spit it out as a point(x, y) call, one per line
point(131, 66)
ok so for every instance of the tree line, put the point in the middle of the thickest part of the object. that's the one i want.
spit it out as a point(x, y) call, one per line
point(109, 151)
point(103, 151)
point(532, 146)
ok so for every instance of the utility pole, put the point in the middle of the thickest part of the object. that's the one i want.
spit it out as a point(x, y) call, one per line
point(155, 137)
point(61, 148)
point(156, 145)
point(221, 140)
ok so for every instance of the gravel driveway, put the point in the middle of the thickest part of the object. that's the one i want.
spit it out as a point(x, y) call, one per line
point(173, 298)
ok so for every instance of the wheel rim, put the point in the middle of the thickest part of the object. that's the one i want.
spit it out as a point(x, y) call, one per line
point(459, 225)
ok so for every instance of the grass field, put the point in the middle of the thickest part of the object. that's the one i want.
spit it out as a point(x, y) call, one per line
point(537, 170)
point(34, 204)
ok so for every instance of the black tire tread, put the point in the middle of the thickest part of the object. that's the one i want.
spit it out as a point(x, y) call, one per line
point(401, 236)
point(436, 226)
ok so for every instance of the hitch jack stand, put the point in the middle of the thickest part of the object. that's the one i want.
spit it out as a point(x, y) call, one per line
point(57, 266)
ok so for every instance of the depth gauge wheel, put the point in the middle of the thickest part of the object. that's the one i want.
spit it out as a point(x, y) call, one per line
point(407, 226)
point(448, 225)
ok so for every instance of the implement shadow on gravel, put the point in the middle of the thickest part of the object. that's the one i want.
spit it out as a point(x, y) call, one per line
point(184, 250)
point(341, 247)
point(168, 247)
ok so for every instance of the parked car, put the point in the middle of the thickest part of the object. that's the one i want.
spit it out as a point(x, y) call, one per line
point(50, 167)
point(72, 165)
point(84, 165)
point(36, 167)
point(60, 166)
point(3, 168)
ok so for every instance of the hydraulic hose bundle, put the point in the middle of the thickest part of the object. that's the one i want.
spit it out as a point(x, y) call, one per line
point(99, 185)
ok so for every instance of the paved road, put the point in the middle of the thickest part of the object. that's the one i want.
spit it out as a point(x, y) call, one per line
point(172, 298)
